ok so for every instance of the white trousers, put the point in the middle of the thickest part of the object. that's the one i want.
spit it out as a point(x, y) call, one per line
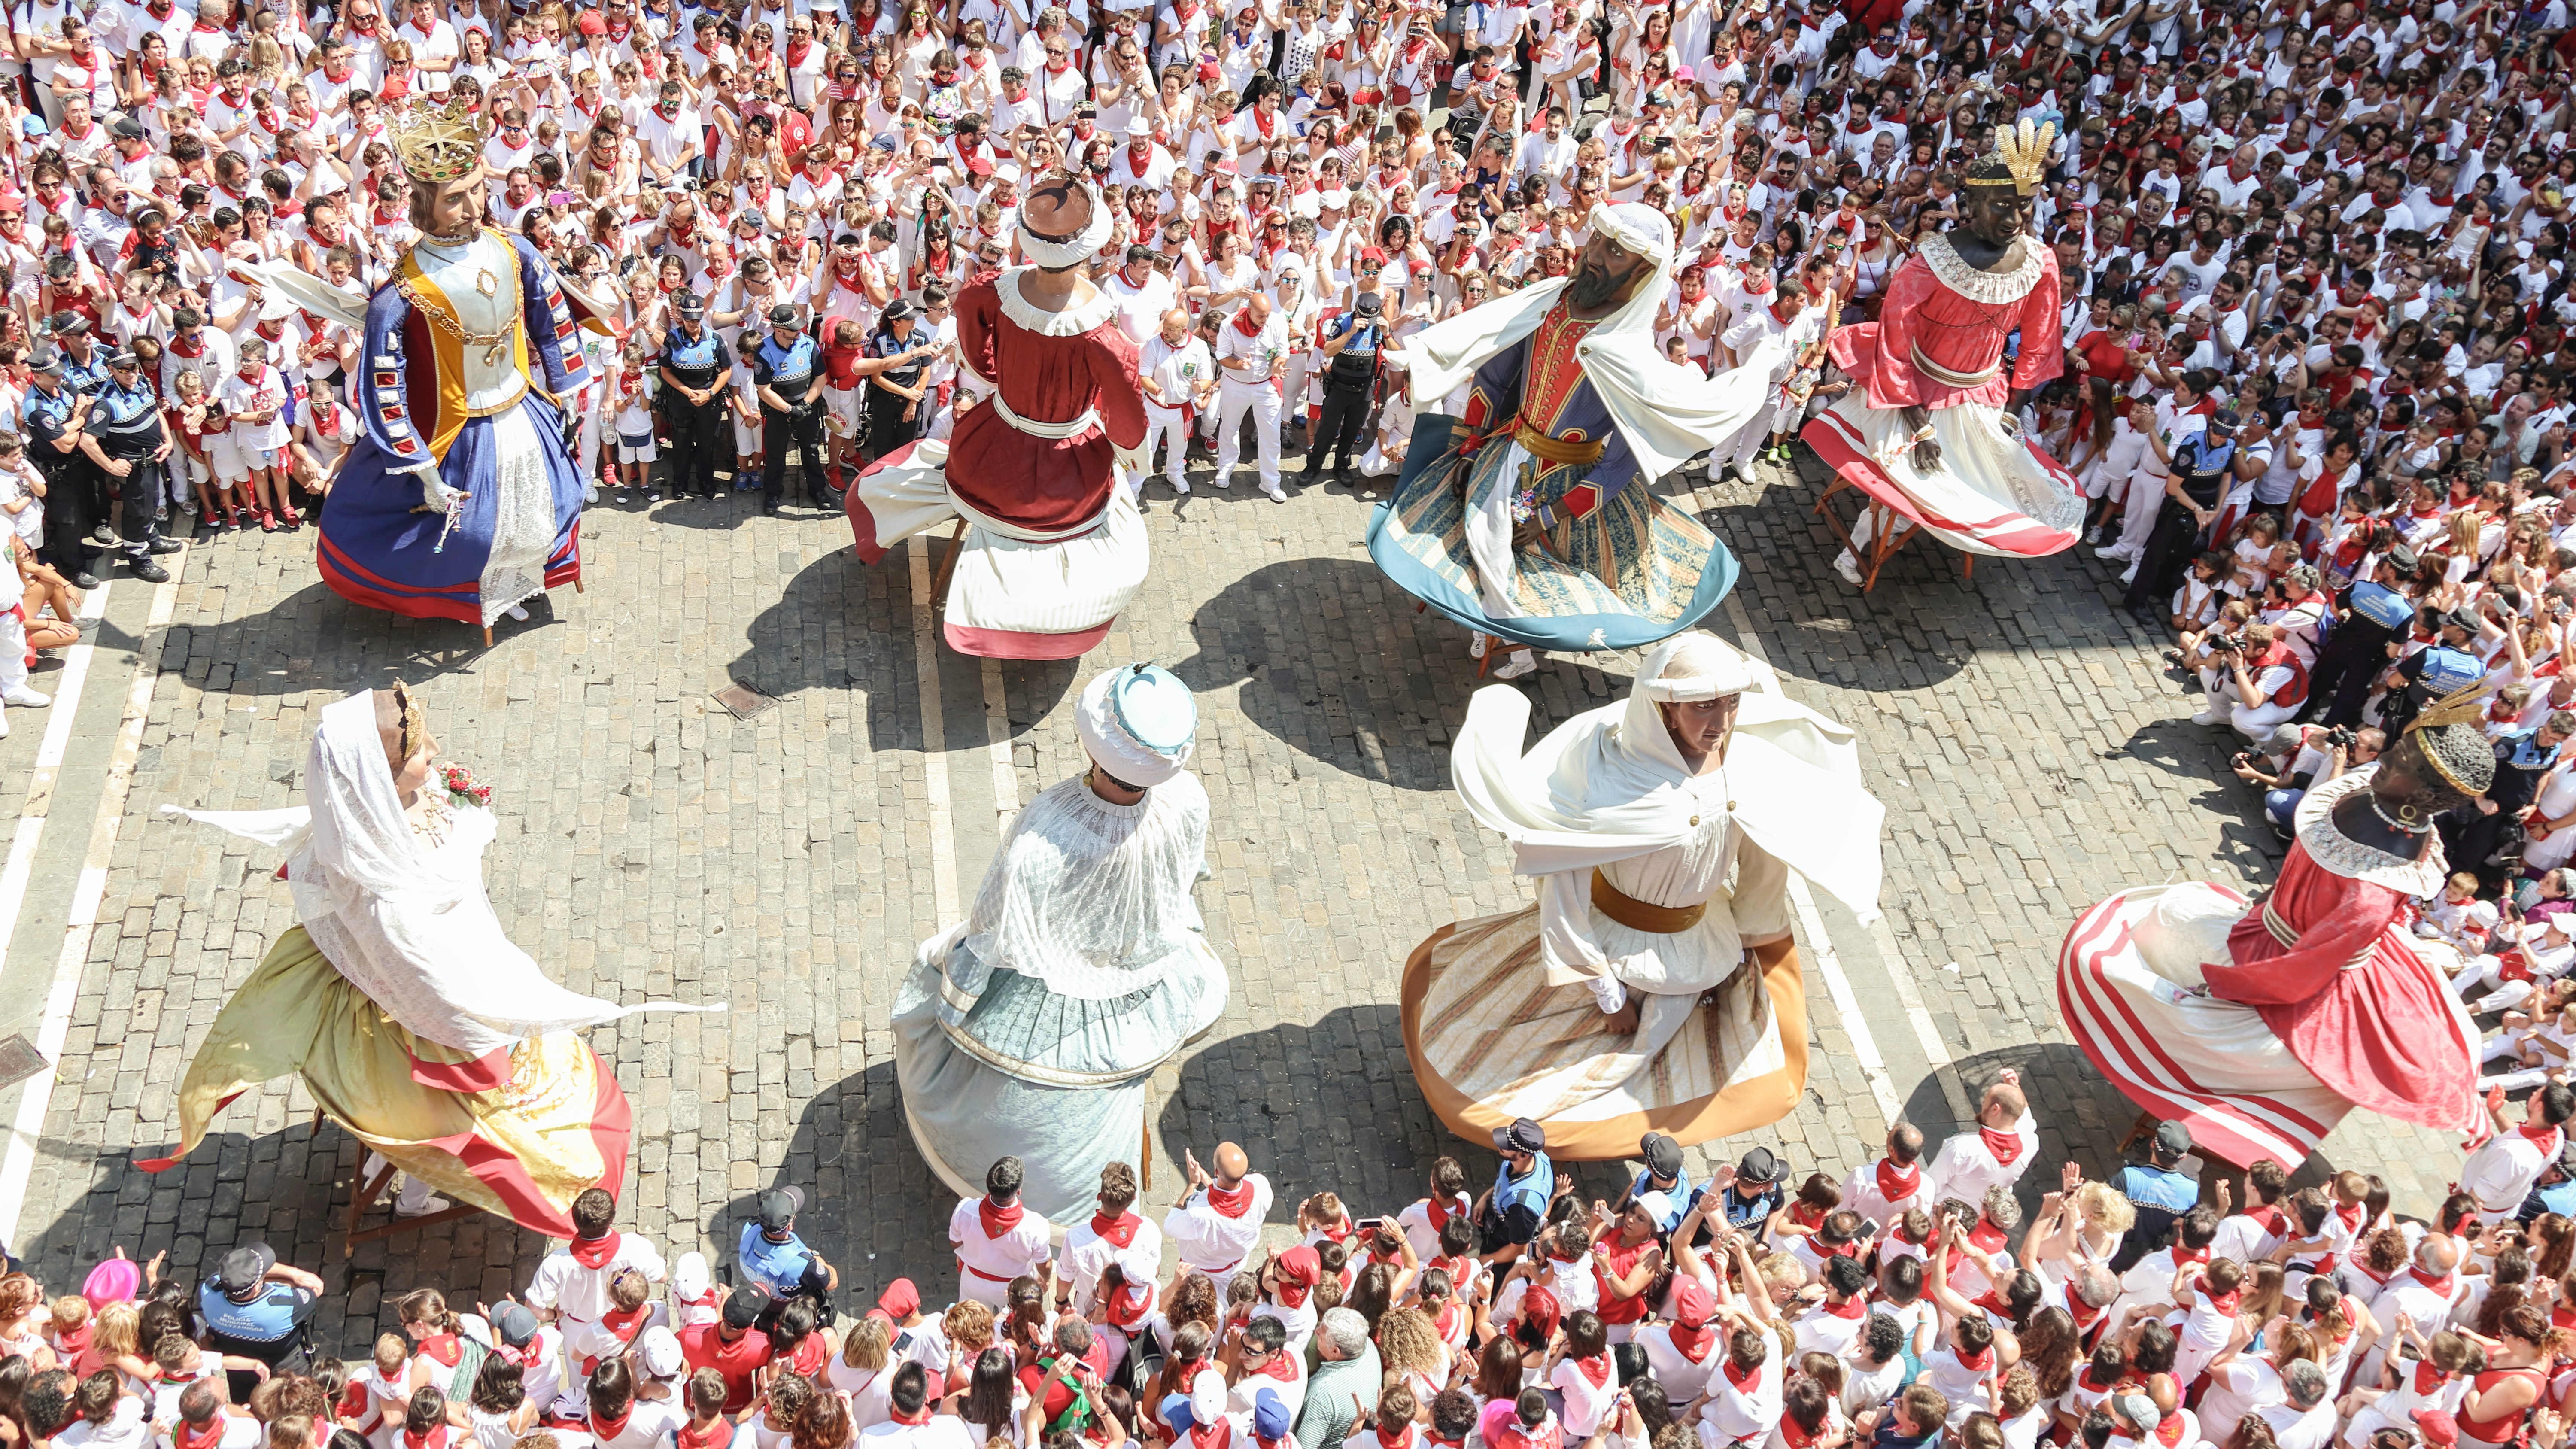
point(1233, 400)
point(13, 652)
point(1865, 528)
point(2253, 721)
point(2489, 971)
point(2142, 502)
point(1163, 425)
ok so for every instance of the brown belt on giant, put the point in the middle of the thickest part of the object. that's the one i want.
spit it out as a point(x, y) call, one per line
point(1557, 450)
point(1949, 378)
point(1637, 915)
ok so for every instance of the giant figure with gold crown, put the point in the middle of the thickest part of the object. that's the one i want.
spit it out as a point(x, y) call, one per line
point(2259, 1024)
point(1530, 519)
point(1929, 437)
point(459, 500)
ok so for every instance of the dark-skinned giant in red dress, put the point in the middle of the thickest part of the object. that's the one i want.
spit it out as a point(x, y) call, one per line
point(2259, 1025)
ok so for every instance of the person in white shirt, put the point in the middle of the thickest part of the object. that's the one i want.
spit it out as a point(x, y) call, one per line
point(1252, 358)
point(1683, 1353)
point(2305, 1417)
point(1886, 1189)
point(1109, 1233)
point(997, 1237)
point(913, 1425)
point(2501, 1173)
point(1425, 1217)
point(571, 1286)
point(203, 1422)
point(1179, 379)
point(2001, 1148)
point(1218, 1220)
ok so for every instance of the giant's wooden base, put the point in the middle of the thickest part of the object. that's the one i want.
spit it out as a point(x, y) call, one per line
point(1741, 1107)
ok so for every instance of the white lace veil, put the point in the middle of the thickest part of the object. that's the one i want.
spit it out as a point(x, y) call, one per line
point(409, 925)
point(1093, 898)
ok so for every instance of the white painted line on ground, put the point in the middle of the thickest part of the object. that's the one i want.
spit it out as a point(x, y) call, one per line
point(49, 760)
point(1846, 1004)
point(934, 734)
point(1908, 998)
point(37, 1096)
point(997, 736)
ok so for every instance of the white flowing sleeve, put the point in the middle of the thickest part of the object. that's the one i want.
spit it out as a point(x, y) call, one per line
point(1761, 898)
point(1567, 951)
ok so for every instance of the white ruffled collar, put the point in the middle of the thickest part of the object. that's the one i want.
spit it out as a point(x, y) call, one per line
point(1071, 322)
point(2339, 854)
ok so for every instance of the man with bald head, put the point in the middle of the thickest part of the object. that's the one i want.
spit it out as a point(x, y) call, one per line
point(1179, 378)
point(1217, 1222)
point(1252, 357)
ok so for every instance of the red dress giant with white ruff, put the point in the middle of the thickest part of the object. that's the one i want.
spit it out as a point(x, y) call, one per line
point(2259, 1028)
point(1054, 546)
point(1939, 345)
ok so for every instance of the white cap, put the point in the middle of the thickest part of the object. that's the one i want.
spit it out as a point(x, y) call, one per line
point(1138, 1265)
point(689, 1276)
point(1207, 1398)
point(658, 1351)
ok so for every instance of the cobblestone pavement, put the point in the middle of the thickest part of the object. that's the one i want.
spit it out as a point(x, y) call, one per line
point(2032, 755)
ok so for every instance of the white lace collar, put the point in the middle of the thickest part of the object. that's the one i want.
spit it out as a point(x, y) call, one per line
point(1071, 322)
point(1953, 271)
point(2339, 854)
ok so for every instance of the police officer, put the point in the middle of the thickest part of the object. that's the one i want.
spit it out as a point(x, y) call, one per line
point(253, 1306)
point(1510, 1212)
point(55, 415)
point(896, 411)
point(2203, 468)
point(787, 372)
point(126, 442)
point(2160, 1191)
point(1351, 343)
point(85, 372)
point(693, 397)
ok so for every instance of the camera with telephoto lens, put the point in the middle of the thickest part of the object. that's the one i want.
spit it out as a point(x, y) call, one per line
point(2340, 738)
point(2221, 644)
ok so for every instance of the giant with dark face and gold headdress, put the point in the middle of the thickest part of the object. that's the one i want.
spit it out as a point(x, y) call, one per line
point(1926, 436)
point(2260, 1024)
point(459, 501)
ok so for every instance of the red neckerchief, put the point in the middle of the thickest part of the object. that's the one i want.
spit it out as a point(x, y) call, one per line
point(1341, 1234)
point(1233, 1201)
point(1694, 1344)
point(1403, 1440)
point(1895, 1183)
point(2428, 1378)
point(436, 1438)
point(1120, 1230)
point(602, 1426)
point(191, 1437)
point(2544, 1136)
point(996, 1220)
point(1219, 1435)
point(2169, 1431)
point(1127, 1306)
point(1990, 1239)
point(1281, 1367)
point(623, 1322)
point(797, 51)
point(1741, 1378)
point(1439, 1211)
point(1982, 1361)
point(595, 1252)
point(2351, 1216)
point(2267, 1218)
point(2004, 1145)
point(1446, 1318)
point(1856, 1307)
point(1596, 1369)
point(1795, 1437)
point(2218, 1302)
point(2084, 1317)
point(2199, 1256)
point(2441, 1285)
point(444, 1348)
point(913, 1420)
point(1243, 317)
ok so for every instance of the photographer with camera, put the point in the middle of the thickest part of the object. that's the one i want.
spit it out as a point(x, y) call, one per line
point(2297, 759)
point(2255, 680)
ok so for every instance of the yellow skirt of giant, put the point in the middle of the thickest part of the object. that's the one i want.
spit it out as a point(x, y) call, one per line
point(519, 1134)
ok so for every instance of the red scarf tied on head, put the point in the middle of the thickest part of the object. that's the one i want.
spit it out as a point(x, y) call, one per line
point(996, 1220)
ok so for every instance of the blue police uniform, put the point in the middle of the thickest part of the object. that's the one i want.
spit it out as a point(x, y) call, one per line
point(67, 479)
point(2161, 1197)
point(269, 1328)
point(2204, 467)
point(697, 429)
point(888, 428)
point(1679, 1196)
point(1350, 391)
point(126, 422)
point(1518, 1205)
point(794, 372)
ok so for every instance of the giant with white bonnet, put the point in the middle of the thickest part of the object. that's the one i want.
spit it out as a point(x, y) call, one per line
point(1032, 1027)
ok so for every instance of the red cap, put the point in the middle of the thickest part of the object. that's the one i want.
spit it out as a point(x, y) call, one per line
point(592, 23)
point(900, 1299)
point(2439, 1428)
point(1692, 1303)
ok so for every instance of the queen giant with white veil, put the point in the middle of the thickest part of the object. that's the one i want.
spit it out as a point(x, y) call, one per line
point(411, 1016)
point(1653, 985)
point(1031, 1028)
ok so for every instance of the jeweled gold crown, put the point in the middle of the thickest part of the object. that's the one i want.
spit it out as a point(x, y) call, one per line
point(436, 142)
point(2021, 154)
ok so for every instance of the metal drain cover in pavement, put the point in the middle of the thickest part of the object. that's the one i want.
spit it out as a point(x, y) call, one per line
point(744, 702)
point(19, 1060)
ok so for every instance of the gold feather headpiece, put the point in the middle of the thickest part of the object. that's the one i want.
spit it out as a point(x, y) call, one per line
point(437, 143)
point(2019, 159)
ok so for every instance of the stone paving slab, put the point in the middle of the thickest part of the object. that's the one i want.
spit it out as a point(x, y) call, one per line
point(2031, 752)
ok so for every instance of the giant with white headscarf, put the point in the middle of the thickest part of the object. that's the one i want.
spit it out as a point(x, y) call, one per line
point(1030, 1028)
